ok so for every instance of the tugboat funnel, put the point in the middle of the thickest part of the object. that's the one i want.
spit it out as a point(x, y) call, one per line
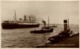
point(65, 25)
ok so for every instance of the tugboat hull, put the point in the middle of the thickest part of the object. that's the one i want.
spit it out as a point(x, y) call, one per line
point(61, 36)
point(42, 31)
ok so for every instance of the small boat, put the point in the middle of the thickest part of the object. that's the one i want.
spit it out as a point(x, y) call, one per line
point(54, 26)
point(45, 29)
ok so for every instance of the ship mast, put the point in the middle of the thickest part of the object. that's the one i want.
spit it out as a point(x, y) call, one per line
point(48, 20)
point(15, 16)
point(68, 24)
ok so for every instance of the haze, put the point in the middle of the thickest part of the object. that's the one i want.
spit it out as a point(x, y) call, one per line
point(56, 10)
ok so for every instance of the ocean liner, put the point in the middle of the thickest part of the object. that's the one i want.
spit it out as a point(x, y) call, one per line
point(29, 22)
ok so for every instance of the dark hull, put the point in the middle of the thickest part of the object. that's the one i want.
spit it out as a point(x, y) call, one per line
point(15, 25)
point(61, 36)
point(42, 31)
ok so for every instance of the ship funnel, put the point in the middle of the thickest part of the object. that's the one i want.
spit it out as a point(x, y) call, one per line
point(24, 17)
point(44, 22)
point(65, 25)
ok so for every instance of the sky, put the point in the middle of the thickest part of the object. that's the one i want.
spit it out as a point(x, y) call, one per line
point(56, 10)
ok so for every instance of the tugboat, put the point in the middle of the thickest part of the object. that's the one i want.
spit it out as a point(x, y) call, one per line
point(30, 23)
point(63, 35)
point(45, 29)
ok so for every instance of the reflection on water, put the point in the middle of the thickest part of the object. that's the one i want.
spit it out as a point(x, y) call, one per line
point(23, 37)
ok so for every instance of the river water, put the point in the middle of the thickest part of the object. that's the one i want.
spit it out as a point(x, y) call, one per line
point(17, 38)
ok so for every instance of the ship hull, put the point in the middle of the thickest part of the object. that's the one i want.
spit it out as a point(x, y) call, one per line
point(42, 31)
point(15, 25)
point(61, 36)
